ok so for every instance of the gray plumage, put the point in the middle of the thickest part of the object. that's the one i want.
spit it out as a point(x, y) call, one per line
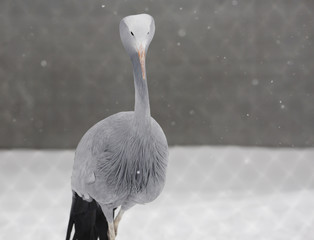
point(122, 160)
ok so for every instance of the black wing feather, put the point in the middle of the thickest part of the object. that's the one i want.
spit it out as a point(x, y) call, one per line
point(88, 220)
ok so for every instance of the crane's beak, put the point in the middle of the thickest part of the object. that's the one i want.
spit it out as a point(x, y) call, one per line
point(141, 56)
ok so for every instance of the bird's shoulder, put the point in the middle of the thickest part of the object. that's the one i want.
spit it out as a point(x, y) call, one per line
point(114, 130)
point(116, 134)
point(157, 132)
point(97, 136)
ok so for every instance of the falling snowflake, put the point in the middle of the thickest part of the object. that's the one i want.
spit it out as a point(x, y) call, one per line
point(43, 63)
point(182, 32)
point(255, 82)
point(234, 2)
point(247, 161)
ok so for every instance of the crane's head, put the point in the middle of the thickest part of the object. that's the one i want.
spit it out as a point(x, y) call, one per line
point(136, 32)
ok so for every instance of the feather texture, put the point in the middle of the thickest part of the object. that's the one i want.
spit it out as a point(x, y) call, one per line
point(128, 163)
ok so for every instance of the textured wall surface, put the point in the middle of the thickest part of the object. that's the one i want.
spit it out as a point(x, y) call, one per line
point(219, 72)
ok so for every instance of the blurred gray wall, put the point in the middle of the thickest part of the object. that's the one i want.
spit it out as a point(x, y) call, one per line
point(220, 72)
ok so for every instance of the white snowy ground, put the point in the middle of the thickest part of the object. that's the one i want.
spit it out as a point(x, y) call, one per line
point(219, 193)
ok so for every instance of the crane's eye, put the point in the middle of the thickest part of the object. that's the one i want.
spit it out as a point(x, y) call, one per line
point(147, 33)
point(132, 34)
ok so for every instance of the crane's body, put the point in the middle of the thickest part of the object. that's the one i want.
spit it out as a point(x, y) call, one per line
point(126, 162)
point(121, 160)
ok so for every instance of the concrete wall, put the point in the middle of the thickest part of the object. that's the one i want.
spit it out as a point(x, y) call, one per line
point(220, 72)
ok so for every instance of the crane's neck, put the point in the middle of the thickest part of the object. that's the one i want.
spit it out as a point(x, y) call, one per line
point(141, 108)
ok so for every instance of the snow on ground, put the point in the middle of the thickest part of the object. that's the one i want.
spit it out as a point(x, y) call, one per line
point(272, 217)
point(220, 193)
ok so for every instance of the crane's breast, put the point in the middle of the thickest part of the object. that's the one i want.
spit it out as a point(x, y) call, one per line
point(134, 165)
